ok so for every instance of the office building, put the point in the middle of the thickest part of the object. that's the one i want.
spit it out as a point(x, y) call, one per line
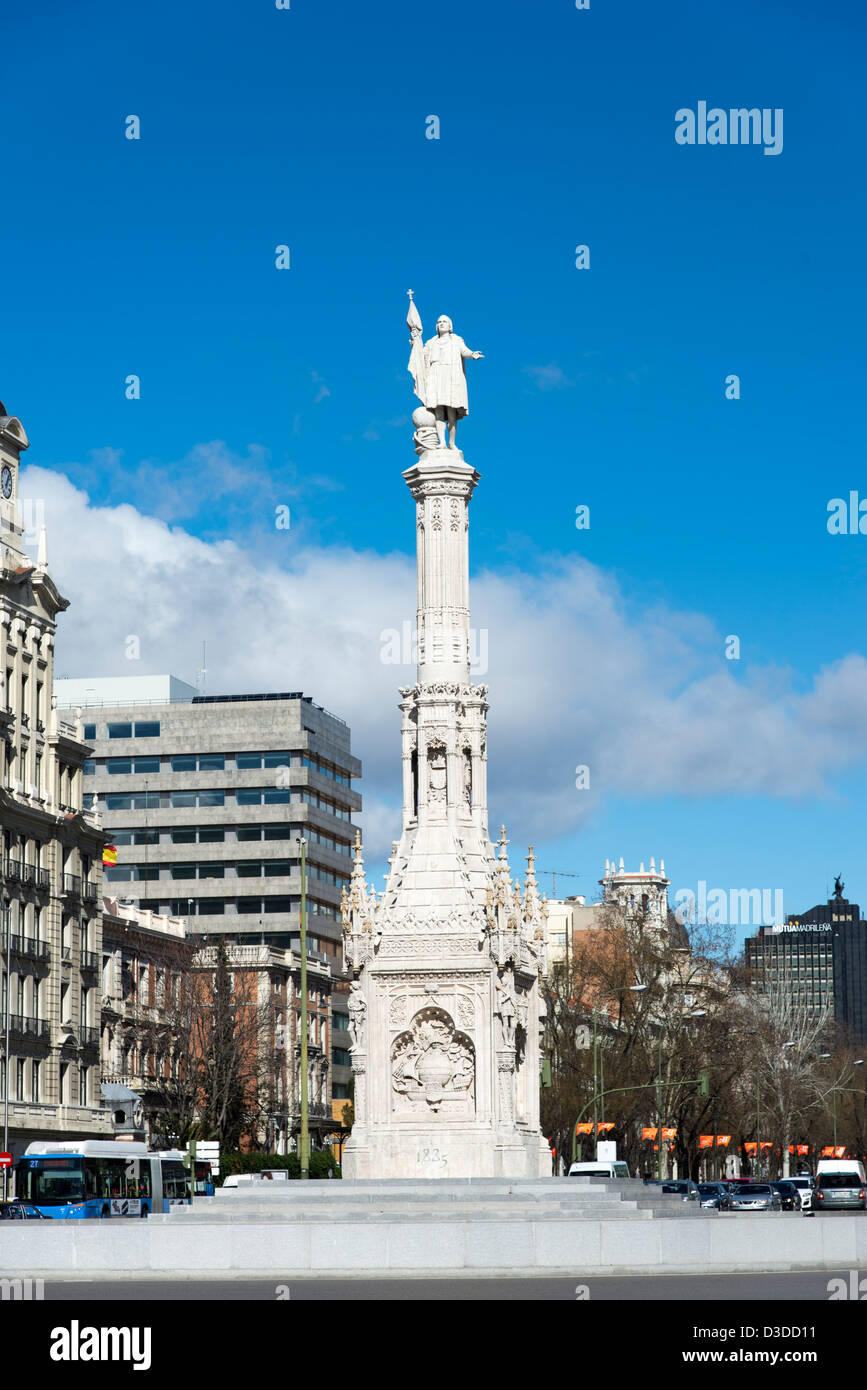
point(205, 798)
point(819, 958)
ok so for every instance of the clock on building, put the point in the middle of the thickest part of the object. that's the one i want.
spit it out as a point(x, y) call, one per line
point(6, 481)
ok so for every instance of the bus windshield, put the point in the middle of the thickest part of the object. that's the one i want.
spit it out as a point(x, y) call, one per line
point(51, 1181)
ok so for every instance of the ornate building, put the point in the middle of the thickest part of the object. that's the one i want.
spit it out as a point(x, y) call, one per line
point(52, 855)
point(445, 1007)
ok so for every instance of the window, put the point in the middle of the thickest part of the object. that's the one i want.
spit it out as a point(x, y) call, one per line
point(248, 868)
point(88, 767)
point(119, 766)
point(89, 733)
point(147, 765)
point(249, 796)
point(281, 904)
point(248, 760)
point(183, 799)
point(250, 832)
point(211, 907)
point(212, 798)
point(277, 796)
point(277, 868)
point(183, 871)
point(248, 905)
point(184, 764)
point(341, 1090)
point(341, 1057)
point(19, 1079)
point(212, 762)
point(212, 871)
point(120, 730)
point(186, 836)
point(277, 760)
point(278, 832)
point(147, 728)
point(212, 836)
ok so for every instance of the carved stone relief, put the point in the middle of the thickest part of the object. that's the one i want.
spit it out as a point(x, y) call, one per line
point(433, 1066)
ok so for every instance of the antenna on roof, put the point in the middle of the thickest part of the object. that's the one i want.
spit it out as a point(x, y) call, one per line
point(203, 670)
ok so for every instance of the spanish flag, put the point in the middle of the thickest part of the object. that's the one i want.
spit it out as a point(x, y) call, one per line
point(109, 855)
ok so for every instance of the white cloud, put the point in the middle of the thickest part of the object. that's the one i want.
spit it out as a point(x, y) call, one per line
point(646, 700)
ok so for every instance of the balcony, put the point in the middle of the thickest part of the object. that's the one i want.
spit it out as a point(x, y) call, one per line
point(88, 1037)
point(36, 1028)
point(12, 870)
point(89, 960)
point(89, 891)
point(71, 886)
point(26, 946)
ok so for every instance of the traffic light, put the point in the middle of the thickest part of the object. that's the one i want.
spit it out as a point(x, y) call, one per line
point(704, 1084)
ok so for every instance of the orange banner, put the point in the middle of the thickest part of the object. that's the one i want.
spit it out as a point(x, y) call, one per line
point(669, 1133)
point(705, 1141)
point(831, 1152)
point(723, 1141)
point(802, 1148)
point(585, 1128)
point(604, 1128)
point(648, 1133)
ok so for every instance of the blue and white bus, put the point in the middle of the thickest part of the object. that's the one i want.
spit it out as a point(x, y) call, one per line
point(80, 1178)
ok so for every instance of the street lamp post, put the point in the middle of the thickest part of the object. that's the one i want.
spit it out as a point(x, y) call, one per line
point(633, 989)
point(305, 1118)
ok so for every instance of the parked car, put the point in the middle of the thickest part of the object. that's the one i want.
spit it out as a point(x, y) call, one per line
point(789, 1194)
point(715, 1196)
point(603, 1168)
point(756, 1196)
point(17, 1210)
point(839, 1192)
point(805, 1184)
point(684, 1187)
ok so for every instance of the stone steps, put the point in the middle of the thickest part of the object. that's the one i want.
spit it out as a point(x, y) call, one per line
point(410, 1200)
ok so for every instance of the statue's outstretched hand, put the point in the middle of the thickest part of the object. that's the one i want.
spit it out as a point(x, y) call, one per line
point(478, 354)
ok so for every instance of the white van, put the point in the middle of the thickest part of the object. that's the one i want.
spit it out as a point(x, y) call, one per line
point(841, 1165)
point(599, 1169)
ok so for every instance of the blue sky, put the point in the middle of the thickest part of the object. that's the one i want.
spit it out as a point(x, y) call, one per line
point(605, 387)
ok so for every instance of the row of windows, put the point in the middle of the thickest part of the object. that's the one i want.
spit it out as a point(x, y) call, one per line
point(244, 796)
point(28, 1081)
point(326, 769)
point(219, 834)
point(210, 762)
point(243, 868)
point(142, 728)
point(218, 907)
point(207, 762)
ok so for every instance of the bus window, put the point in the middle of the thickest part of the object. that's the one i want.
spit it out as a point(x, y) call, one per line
point(175, 1185)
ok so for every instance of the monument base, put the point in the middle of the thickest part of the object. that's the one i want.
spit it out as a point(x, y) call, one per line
point(426, 1152)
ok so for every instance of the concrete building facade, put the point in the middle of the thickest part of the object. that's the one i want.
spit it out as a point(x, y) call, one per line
point(205, 797)
point(51, 937)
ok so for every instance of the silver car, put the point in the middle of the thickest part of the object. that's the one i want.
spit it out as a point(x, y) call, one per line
point(756, 1196)
point(839, 1192)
